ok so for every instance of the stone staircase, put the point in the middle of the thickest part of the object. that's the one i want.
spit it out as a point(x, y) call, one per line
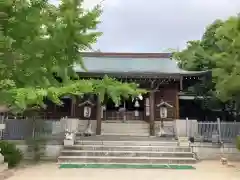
point(131, 128)
point(126, 149)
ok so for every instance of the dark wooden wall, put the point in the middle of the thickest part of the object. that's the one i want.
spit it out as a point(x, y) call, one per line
point(167, 93)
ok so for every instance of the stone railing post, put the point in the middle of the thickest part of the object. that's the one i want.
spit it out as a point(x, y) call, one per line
point(219, 129)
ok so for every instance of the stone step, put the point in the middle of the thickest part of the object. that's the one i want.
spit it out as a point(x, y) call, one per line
point(122, 126)
point(144, 134)
point(125, 138)
point(128, 143)
point(129, 160)
point(125, 153)
point(125, 129)
point(128, 121)
point(129, 128)
point(132, 130)
point(125, 126)
point(112, 130)
point(101, 147)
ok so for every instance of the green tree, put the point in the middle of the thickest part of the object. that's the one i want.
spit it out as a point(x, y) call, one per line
point(40, 41)
point(198, 54)
point(218, 50)
point(227, 60)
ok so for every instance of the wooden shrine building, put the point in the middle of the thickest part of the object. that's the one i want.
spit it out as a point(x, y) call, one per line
point(155, 72)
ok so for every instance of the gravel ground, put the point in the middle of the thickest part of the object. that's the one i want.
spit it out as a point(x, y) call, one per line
point(211, 170)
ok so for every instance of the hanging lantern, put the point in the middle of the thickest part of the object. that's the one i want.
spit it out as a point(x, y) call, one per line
point(87, 108)
point(163, 109)
point(140, 97)
point(87, 111)
point(136, 105)
point(163, 112)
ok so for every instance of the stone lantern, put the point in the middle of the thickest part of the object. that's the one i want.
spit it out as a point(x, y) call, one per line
point(87, 110)
point(136, 105)
point(163, 109)
point(103, 109)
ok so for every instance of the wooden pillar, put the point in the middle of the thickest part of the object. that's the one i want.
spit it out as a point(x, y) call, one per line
point(152, 113)
point(177, 106)
point(98, 117)
point(52, 113)
point(177, 97)
point(181, 83)
point(73, 108)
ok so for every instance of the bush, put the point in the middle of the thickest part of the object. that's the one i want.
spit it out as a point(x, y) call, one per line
point(36, 146)
point(12, 155)
point(238, 142)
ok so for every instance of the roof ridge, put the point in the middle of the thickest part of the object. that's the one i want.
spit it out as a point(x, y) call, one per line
point(126, 55)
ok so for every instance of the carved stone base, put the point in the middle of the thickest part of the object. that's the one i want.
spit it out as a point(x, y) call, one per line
point(183, 141)
point(88, 131)
point(161, 132)
point(68, 142)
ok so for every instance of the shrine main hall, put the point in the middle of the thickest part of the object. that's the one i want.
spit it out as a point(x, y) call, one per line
point(155, 72)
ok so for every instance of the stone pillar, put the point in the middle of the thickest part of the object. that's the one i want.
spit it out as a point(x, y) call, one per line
point(98, 117)
point(152, 113)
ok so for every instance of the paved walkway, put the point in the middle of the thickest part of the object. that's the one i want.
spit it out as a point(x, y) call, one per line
point(205, 171)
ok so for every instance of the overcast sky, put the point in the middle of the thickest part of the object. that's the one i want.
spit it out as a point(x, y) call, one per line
point(156, 25)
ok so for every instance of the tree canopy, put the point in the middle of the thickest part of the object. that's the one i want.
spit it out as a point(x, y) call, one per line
point(40, 41)
point(218, 50)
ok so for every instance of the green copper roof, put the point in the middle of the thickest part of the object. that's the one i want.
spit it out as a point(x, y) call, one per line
point(119, 65)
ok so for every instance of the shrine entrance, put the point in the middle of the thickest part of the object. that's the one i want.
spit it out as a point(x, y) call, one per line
point(126, 110)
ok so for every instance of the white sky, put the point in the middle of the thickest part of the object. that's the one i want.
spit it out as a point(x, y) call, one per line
point(156, 25)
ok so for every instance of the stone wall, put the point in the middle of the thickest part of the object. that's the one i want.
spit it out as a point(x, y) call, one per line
point(204, 151)
point(51, 152)
point(209, 151)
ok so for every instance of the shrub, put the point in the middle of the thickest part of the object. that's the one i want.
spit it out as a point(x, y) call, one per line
point(238, 142)
point(12, 155)
point(36, 146)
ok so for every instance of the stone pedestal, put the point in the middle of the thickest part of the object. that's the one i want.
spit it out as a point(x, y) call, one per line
point(183, 142)
point(161, 132)
point(68, 142)
point(69, 139)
